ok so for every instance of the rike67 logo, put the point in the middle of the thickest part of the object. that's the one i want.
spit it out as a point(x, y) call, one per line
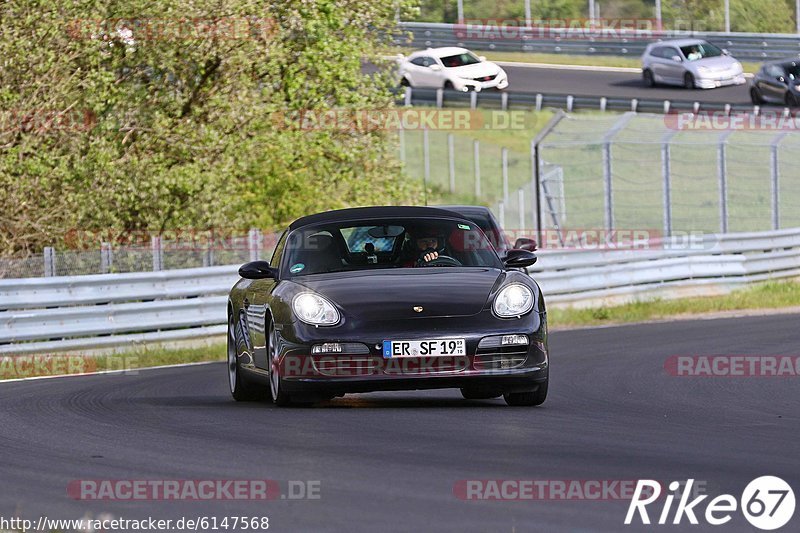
point(767, 503)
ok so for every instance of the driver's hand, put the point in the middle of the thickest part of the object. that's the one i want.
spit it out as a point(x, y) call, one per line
point(430, 256)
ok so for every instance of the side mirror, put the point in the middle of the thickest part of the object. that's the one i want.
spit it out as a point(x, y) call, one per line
point(435, 67)
point(257, 270)
point(523, 243)
point(677, 59)
point(481, 58)
point(725, 52)
point(782, 80)
point(519, 259)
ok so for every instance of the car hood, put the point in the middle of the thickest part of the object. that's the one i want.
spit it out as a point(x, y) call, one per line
point(478, 70)
point(393, 294)
point(715, 63)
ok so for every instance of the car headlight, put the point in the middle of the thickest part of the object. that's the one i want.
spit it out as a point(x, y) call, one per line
point(314, 309)
point(738, 66)
point(515, 299)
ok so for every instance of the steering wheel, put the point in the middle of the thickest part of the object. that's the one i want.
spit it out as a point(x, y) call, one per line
point(442, 260)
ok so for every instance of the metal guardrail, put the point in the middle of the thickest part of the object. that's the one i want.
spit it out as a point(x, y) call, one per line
point(569, 102)
point(100, 311)
point(745, 46)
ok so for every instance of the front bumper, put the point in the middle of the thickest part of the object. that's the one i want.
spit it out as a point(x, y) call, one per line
point(361, 366)
point(712, 81)
point(499, 82)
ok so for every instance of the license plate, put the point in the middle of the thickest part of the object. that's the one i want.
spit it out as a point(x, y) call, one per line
point(428, 348)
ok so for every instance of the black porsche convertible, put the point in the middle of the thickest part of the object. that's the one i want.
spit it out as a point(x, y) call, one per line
point(387, 298)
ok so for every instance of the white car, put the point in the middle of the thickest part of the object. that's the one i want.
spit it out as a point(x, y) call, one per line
point(451, 68)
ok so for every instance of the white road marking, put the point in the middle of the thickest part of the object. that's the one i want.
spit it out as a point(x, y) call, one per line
point(103, 372)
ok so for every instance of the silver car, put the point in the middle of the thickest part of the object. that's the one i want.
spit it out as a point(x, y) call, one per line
point(691, 63)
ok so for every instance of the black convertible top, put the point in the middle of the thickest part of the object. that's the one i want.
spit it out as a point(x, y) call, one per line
point(357, 213)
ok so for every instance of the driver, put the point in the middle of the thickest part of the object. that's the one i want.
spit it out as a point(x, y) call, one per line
point(425, 246)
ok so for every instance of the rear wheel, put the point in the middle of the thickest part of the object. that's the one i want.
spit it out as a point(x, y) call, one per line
point(528, 399)
point(647, 76)
point(240, 389)
point(790, 100)
point(279, 396)
point(477, 394)
point(688, 81)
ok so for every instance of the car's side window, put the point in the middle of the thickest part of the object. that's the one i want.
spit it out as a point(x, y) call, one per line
point(278, 252)
point(419, 61)
point(658, 51)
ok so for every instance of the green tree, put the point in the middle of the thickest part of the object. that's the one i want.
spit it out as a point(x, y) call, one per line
point(180, 129)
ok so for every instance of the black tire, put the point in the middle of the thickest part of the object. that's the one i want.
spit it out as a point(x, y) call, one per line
point(755, 96)
point(241, 389)
point(790, 100)
point(474, 394)
point(404, 82)
point(528, 399)
point(688, 81)
point(649, 80)
point(280, 397)
point(448, 85)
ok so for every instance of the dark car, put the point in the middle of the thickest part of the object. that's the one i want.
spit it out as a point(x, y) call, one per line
point(484, 218)
point(387, 298)
point(777, 82)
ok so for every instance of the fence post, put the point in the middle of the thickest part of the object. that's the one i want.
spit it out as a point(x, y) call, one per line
point(106, 257)
point(451, 156)
point(426, 157)
point(521, 200)
point(608, 193)
point(253, 244)
point(49, 261)
point(501, 207)
point(158, 253)
point(722, 172)
point(476, 154)
point(666, 172)
point(504, 160)
point(775, 170)
point(402, 137)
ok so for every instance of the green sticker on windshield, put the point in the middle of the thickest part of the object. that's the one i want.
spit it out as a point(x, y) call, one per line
point(463, 226)
point(297, 268)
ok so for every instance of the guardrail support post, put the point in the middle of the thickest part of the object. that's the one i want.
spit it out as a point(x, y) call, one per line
point(603, 103)
point(106, 258)
point(451, 157)
point(504, 101)
point(473, 100)
point(158, 253)
point(49, 261)
point(539, 99)
point(439, 97)
point(407, 97)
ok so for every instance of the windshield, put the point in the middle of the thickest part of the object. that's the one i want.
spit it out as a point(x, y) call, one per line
point(459, 60)
point(387, 243)
point(792, 71)
point(700, 51)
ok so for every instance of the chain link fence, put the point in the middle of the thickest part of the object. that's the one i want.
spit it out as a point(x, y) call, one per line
point(191, 250)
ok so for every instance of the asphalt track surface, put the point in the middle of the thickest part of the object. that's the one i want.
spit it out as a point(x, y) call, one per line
point(614, 85)
point(389, 461)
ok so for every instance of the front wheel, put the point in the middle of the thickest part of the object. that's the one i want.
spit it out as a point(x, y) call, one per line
point(279, 396)
point(755, 97)
point(528, 399)
point(241, 390)
point(688, 81)
point(647, 76)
